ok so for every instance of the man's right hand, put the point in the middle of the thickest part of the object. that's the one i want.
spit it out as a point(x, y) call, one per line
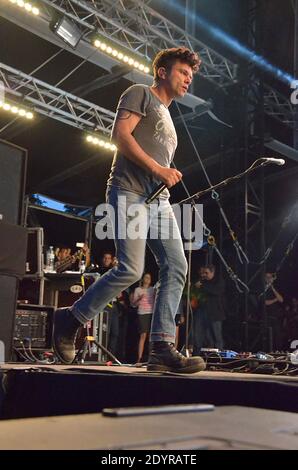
point(169, 176)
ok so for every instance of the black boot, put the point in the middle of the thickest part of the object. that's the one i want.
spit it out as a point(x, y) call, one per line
point(64, 335)
point(164, 357)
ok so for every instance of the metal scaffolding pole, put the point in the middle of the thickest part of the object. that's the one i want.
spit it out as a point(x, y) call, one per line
point(295, 139)
point(254, 232)
point(190, 24)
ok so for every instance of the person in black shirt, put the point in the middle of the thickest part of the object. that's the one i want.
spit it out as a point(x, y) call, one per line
point(212, 289)
point(273, 305)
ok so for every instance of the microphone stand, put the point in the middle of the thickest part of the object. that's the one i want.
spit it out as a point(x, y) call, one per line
point(157, 191)
point(188, 300)
point(256, 164)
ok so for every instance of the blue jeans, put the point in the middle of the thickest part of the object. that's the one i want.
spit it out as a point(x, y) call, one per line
point(164, 241)
point(206, 333)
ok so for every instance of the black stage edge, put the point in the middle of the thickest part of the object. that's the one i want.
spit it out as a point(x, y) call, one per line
point(44, 391)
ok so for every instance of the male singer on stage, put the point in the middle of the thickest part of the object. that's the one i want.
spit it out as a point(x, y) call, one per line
point(146, 142)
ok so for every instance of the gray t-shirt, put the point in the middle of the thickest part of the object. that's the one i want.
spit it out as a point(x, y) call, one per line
point(155, 133)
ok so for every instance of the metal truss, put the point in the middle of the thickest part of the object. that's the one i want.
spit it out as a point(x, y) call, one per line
point(279, 107)
point(55, 103)
point(142, 30)
point(136, 26)
point(40, 26)
point(139, 28)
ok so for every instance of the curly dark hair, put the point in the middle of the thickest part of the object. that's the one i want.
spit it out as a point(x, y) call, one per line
point(167, 57)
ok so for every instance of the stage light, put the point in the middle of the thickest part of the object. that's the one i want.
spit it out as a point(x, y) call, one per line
point(15, 110)
point(101, 143)
point(66, 30)
point(114, 51)
point(26, 5)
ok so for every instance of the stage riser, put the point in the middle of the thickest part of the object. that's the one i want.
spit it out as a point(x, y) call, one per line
point(40, 393)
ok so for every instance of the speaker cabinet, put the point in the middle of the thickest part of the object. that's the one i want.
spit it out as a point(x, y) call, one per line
point(13, 163)
point(13, 242)
point(8, 298)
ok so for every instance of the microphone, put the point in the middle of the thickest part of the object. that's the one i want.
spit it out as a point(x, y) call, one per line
point(155, 193)
point(277, 161)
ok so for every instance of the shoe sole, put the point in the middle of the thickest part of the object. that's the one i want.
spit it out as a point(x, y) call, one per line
point(58, 355)
point(184, 370)
point(56, 351)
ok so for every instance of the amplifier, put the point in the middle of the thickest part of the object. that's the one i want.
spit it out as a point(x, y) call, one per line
point(33, 326)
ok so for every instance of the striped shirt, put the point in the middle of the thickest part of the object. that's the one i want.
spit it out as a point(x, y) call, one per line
point(143, 298)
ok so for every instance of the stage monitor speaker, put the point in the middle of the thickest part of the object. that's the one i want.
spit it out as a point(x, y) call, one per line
point(13, 162)
point(8, 299)
point(13, 242)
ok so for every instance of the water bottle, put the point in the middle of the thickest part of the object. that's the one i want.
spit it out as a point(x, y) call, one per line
point(294, 357)
point(50, 260)
point(82, 266)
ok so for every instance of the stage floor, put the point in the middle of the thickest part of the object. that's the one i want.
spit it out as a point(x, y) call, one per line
point(224, 428)
point(133, 370)
point(63, 409)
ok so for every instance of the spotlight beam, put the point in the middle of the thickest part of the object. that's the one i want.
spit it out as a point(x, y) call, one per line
point(234, 45)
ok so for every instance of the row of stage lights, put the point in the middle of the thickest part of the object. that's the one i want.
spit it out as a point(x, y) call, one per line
point(26, 5)
point(101, 143)
point(28, 115)
point(108, 49)
point(15, 110)
point(98, 43)
point(120, 56)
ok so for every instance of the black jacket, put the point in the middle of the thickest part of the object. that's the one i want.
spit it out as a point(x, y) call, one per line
point(214, 291)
